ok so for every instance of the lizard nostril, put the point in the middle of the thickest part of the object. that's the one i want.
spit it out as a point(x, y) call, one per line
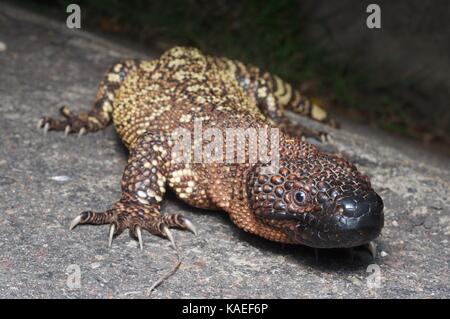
point(357, 206)
point(340, 209)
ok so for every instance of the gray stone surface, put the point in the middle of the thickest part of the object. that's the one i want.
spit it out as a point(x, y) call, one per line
point(46, 181)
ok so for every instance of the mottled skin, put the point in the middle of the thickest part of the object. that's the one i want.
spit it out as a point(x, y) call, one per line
point(313, 198)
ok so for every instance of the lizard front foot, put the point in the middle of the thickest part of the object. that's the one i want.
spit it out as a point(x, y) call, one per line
point(72, 123)
point(135, 217)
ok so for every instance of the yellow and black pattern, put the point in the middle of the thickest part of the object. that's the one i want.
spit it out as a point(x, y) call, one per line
point(272, 94)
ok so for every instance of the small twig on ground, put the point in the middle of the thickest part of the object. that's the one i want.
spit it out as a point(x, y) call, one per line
point(167, 275)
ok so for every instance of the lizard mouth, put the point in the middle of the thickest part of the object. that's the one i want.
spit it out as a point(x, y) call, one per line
point(348, 222)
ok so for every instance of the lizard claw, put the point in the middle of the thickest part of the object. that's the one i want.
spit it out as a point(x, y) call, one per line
point(316, 255)
point(139, 235)
point(46, 128)
point(112, 229)
point(324, 137)
point(372, 248)
point(189, 226)
point(40, 123)
point(168, 234)
point(82, 132)
point(75, 222)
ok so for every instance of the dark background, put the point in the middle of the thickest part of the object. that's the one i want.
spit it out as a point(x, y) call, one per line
point(396, 78)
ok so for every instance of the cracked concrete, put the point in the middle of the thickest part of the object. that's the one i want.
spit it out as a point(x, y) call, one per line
point(46, 181)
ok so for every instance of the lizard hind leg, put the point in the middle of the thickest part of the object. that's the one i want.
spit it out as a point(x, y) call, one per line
point(274, 110)
point(143, 188)
point(273, 97)
point(100, 115)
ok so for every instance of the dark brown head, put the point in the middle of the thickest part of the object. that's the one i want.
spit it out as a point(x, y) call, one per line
point(320, 201)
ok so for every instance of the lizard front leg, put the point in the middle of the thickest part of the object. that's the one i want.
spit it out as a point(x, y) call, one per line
point(143, 189)
point(100, 115)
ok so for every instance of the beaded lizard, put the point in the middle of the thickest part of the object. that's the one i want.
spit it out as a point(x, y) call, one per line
point(312, 198)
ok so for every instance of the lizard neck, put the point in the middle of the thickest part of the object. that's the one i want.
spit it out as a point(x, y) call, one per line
point(228, 191)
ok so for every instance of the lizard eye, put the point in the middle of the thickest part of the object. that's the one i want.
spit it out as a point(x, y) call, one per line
point(300, 197)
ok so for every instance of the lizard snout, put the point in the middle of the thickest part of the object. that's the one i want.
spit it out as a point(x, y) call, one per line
point(350, 221)
point(359, 218)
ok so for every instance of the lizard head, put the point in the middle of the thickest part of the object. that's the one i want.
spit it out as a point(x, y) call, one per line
point(319, 200)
